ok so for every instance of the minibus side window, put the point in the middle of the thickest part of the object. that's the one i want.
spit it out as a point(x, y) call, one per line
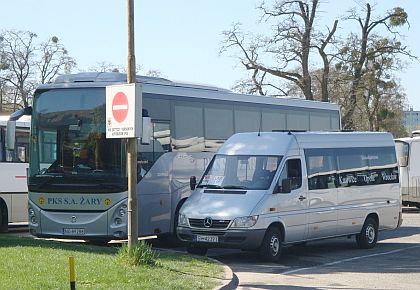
point(321, 168)
point(293, 171)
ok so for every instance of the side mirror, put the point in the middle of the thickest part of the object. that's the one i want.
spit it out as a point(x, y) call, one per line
point(10, 135)
point(193, 182)
point(286, 186)
point(147, 130)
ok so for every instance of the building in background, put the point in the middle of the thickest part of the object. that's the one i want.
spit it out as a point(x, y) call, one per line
point(411, 120)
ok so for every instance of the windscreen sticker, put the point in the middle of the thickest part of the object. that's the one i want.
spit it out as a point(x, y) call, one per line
point(213, 179)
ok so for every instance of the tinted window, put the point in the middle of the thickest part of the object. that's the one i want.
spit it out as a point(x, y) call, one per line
point(297, 120)
point(319, 121)
point(218, 122)
point(246, 120)
point(189, 129)
point(321, 168)
point(273, 120)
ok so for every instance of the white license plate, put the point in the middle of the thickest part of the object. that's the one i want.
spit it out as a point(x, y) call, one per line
point(73, 232)
point(207, 239)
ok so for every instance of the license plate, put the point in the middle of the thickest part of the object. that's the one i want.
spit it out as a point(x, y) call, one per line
point(73, 232)
point(207, 239)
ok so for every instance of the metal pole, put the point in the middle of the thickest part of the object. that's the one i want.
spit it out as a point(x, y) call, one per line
point(131, 142)
point(72, 275)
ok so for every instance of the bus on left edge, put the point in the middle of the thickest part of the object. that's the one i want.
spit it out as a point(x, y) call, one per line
point(13, 181)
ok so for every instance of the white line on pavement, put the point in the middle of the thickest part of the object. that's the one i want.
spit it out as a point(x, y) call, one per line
point(348, 260)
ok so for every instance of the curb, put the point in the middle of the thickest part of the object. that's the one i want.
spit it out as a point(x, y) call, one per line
point(228, 273)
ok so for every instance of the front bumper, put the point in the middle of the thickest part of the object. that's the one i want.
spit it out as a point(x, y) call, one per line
point(246, 239)
point(86, 225)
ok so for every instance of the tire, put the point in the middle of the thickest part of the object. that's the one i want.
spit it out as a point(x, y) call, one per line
point(369, 235)
point(200, 251)
point(3, 219)
point(100, 242)
point(271, 246)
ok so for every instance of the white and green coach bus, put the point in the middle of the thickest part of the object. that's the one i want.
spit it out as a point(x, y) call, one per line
point(77, 178)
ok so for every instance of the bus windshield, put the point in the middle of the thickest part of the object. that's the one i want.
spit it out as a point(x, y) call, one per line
point(240, 172)
point(69, 151)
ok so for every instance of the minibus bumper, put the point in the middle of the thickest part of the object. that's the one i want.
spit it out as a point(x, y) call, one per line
point(246, 239)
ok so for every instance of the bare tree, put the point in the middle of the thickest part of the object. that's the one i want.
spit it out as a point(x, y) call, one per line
point(289, 46)
point(24, 63)
point(359, 50)
point(54, 58)
point(17, 64)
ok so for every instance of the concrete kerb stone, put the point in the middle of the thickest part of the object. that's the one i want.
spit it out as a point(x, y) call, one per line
point(228, 274)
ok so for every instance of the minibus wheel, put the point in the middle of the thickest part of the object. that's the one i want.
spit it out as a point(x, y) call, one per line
point(369, 235)
point(271, 246)
point(197, 250)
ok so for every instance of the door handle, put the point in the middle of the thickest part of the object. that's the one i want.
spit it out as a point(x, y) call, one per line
point(302, 198)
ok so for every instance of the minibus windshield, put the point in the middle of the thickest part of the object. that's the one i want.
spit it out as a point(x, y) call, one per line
point(250, 172)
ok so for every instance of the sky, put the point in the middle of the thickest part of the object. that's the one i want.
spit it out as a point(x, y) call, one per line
point(179, 38)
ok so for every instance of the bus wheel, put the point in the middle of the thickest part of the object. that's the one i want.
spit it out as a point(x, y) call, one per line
point(3, 218)
point(271, 246)
point(100, 242)
point(197, 250)
point(369, 235)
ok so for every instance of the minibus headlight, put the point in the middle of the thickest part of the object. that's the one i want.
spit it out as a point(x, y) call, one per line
point(183, 220)
point(244, 222)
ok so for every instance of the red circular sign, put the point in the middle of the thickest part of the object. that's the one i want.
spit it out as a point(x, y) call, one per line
point(120, 107)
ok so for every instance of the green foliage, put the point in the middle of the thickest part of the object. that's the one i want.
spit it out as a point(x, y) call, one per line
point(399, 17)
point(140, 254)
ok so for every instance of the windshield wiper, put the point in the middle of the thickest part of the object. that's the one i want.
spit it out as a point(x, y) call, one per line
point(234, 187)
point(209, 186)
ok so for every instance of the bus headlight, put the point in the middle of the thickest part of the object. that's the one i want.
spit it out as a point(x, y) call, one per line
point(183, 220)
point(32, 216)
point(31, 212)
point(122, 211)
point(245, 222)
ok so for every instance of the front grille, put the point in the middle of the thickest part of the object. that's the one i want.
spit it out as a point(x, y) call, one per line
point(216, 224)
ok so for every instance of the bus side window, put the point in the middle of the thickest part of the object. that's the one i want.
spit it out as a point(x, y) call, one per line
point(21, 152)
point(159, 145)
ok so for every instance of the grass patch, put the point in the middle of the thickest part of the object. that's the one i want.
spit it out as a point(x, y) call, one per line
point(26, 263)
point(140, 254)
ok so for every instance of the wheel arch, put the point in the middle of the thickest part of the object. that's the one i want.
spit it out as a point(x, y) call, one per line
point(279, 226)
point(373, 215)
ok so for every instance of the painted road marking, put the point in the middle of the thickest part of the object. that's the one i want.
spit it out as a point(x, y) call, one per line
point(349, 260)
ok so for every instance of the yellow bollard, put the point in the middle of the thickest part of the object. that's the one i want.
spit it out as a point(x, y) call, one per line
point(72, 276)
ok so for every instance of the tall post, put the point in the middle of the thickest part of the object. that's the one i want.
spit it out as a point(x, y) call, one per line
point(131, 142)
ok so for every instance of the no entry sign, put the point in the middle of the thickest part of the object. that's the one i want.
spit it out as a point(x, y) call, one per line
point(123, 111)
point(120, 107)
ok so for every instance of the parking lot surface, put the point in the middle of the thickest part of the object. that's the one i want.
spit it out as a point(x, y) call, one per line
point(335, 264)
